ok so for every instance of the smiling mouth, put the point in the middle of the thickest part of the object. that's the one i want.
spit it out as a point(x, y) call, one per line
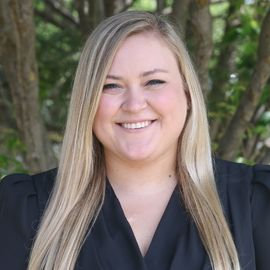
point(136, 125)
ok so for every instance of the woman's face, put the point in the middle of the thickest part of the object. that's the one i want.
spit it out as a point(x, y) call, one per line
point(143, 106)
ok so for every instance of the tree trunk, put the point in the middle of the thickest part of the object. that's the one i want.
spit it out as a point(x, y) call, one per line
point(265, 159)
point(160, 6)
point(17, 55)
point(180, 13)
point(201, 39)
point(114, 6)
point(7, 119)
point(224, 67)
point(91, 12)
point(232, 139)
point(56, 13)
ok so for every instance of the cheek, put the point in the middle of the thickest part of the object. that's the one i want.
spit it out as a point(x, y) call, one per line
point(107, 108)
point(173, 102)
point(173, 107)
point(106, 111)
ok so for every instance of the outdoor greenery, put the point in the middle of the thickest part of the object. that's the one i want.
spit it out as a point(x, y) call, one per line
point(235, 30)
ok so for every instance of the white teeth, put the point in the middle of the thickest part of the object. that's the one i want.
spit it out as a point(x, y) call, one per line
point(136, 125)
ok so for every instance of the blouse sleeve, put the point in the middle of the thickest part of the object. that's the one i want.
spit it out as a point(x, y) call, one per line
point(18, 220)
point(261, 215)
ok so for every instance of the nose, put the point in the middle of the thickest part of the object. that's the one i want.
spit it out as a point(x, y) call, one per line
point(134, 100)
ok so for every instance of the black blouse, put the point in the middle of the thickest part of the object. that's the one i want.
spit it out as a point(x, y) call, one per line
point(244, 192)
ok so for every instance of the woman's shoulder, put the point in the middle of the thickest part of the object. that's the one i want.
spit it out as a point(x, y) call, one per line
point(246, 187)
point(22, 201)
point(20, 182)
point(18, 188)
point(245, 196)
point(233, 172)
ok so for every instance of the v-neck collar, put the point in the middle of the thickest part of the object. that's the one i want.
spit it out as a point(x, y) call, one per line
point(112, 245)
point(166, 234)
point(161, 223)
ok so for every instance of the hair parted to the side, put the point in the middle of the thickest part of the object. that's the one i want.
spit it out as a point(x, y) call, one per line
point(79, 189)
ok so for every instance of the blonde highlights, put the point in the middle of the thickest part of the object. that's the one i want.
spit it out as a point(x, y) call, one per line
point(79, 189)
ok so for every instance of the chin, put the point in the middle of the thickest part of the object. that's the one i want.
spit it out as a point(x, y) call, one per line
point(143, 159)
point(136, 157)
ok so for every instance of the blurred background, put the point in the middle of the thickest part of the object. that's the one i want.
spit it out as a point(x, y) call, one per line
point(40, 44)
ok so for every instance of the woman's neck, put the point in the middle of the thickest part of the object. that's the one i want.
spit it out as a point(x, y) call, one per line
point(141, 177)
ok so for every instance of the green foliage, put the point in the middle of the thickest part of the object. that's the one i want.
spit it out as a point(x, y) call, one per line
point(168, 3)
point(11, 154)
point(242, 38)
point(57, 54)
point(265, 98)
point(217, 11)
point(149, 5)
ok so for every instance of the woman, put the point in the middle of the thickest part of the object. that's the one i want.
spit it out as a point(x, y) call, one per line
point(136, 186)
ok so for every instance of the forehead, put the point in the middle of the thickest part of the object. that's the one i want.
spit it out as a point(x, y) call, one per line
point(144, 50)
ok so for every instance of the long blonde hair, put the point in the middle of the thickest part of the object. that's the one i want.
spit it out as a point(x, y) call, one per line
point(79, 189)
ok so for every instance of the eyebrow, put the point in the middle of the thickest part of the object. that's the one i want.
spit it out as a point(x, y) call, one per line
point(143, 74)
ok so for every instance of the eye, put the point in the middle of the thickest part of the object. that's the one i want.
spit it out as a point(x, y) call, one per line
point(113, 88)
point(110, 86)
point(155, 82)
